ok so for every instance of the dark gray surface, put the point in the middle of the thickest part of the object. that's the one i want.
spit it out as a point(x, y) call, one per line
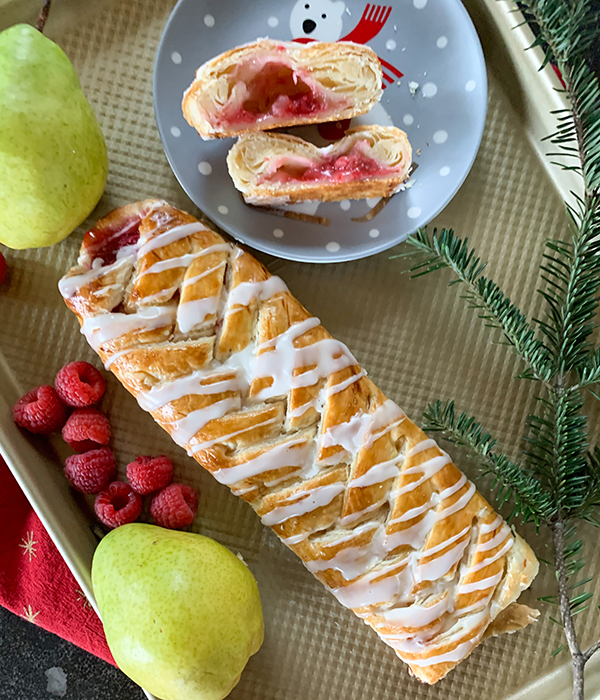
point(27, 652)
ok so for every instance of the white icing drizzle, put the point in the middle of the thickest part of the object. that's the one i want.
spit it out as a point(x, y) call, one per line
point(116, 356)
point(247, 292)
point(162, 294)
point(223, 438)
point(192, 384)
point(170, 263)
point(184, 429)
point(286, 454)
point(435, 569)
point(377, 474)
point(192, 313)
point(174, 234)
point(421, 447)
point(417, 615)
point(363, 428)
point(304, 502)
point(105, 327)
point(69, 286)
point(490, 560)
point(366, 591)
point(429, 469)
point(457, 654)
point(192, 280)
point(480, 585)
point(486, 528)
point(340, 386)
point(495, 541)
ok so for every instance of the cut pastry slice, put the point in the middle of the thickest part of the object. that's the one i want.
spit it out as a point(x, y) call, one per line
point(240, 375)
point(269, 84)
point(270, 168)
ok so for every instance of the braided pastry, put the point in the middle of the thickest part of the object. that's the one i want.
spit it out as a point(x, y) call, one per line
point(270, 84)
point(272, 168)
point(259, 394)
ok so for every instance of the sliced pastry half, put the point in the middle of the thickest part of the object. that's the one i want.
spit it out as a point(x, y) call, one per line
point(269, 84)
point(273, 168)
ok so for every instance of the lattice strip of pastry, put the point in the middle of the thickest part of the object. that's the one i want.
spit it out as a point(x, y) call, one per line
point(257, 391)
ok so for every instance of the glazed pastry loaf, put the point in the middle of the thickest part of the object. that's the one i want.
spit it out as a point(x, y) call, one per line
point(269, 84)
point(259, 394)
point(272, 168)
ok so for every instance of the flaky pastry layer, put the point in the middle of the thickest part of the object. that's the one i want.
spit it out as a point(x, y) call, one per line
point(269, 84)
point(241, 375)
point(370, 161)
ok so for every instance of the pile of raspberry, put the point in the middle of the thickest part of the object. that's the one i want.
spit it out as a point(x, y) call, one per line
point(69, 406)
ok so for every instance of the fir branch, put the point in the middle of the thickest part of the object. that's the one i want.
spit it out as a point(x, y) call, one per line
point(513, 481)
point(571, 271)
point(445, 249)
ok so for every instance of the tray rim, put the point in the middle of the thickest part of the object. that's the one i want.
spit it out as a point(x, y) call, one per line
point(549, 95)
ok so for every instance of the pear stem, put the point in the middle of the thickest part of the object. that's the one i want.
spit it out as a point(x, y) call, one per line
point(41, 23)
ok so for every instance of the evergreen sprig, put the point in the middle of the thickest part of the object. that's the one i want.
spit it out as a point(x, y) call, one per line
point(556, 483)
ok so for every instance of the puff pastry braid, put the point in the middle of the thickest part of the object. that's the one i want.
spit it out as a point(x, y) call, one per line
point(271, 168)
point(269, 84)
point(255, 389)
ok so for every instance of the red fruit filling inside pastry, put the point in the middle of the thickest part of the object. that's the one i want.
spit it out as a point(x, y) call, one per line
point(118, 230)
point(354, 164)
point(106, 242)
point(266, 89)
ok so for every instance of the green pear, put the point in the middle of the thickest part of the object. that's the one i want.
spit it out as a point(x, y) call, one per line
point(181, 613)
point(53, 162)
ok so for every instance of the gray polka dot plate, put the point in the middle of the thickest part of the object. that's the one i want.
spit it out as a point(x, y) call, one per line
point(435, 89)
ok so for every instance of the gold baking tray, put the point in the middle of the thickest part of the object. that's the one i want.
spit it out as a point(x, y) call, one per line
point(417, 339)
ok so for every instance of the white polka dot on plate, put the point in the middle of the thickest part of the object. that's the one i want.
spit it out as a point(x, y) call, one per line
point(442, 42)
point(176, 132)
point(176, 57)
point(373, 201)
point(444, 171)
point(209, 20)
point(419, 4)
point(390, 44)
point(429, 90)
point(278, 233)
point(408, 119)
point(470, 86)
point(272, 22)
point(205, 168)
point(332, 247)
point(374, 233)
point(345, 204)
point(413, 212)
point(222, 209)
point(440, 136)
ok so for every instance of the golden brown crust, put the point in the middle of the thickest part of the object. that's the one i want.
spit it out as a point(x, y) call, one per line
point(263, 398)
point(348, 77)
point(255, 157)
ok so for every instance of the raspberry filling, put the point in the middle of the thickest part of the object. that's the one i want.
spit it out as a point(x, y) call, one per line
point(107, 241)
point(353, 165)
point(266, 88)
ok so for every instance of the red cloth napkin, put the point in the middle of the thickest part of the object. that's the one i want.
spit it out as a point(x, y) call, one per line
point(35, 582)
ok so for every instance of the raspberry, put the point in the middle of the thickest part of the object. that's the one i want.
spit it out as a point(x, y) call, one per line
point(91, 471)
point(175, 506)
point(86, 429)
point(40, 411)
point(2, 268)
point(147, 474)
point(79, 384)
point(118, 504)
